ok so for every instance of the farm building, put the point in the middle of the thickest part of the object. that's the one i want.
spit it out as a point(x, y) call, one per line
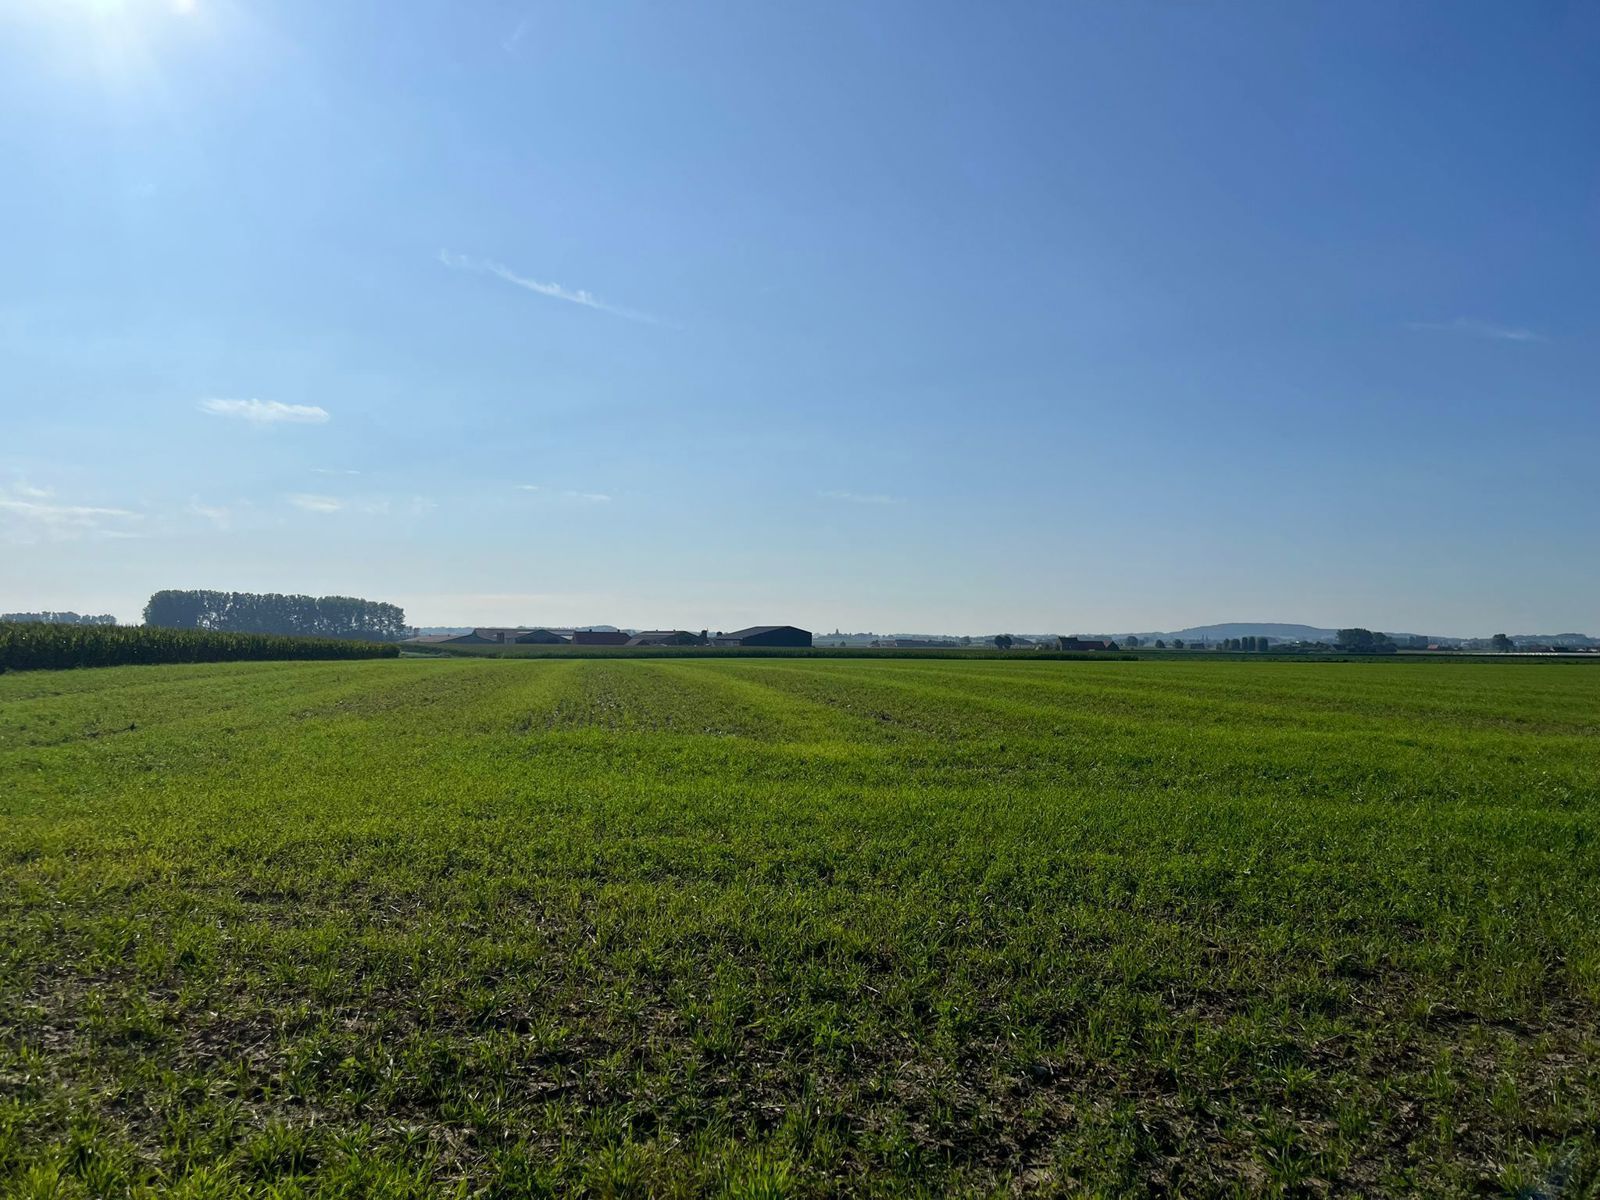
point(765, 635)
point(488, 636)
point(541, 637)
point(599, 637)
point(667, 637)
point(1072, 643)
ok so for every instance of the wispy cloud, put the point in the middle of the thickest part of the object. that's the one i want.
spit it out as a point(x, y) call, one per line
point(24, 488)
point(555, 291)
point(266, 412)
point(372, 506)
point(566, 493)
point(860, 497)
point(314, 503)
point(220, 517)
point(1481, 329)
point(333, 471)
point(30, 517)
point(514, 39)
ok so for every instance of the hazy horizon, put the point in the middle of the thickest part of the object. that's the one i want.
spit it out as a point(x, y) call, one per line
point(906, 317)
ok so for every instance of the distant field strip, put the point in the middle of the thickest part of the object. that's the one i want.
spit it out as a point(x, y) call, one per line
point(764, 927)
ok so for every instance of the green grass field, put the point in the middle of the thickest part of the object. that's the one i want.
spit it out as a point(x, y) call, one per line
point(772, 927)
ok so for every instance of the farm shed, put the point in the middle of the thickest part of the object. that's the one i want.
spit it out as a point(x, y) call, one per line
point(599, 637)
point(766, 635)
point(666, 637)
point(498, 636)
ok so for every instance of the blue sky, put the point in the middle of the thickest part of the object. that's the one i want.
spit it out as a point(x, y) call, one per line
point(1043, 317)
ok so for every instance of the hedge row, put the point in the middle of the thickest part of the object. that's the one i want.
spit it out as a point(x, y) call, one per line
point(26, 647)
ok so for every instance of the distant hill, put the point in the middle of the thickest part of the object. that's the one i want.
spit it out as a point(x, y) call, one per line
point(459, 629)
point(1239, 629)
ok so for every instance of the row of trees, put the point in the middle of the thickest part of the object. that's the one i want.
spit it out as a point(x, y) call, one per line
point(295, 616)
point(1364, 641)
point(57, 618)
point(32, 646)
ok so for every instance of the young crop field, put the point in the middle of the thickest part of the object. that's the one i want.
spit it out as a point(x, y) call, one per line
point(30, 646)
point(800, 927)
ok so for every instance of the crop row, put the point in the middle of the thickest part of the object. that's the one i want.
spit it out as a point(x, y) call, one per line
point(26, 647)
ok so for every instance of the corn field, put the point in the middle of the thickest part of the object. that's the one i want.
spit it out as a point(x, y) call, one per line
point(34, 646)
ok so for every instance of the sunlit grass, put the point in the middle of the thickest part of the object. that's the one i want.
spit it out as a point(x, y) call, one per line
point(766, 927)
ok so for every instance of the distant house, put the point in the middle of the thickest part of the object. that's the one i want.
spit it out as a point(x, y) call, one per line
point(479, 637)
point(495, 636)
point(765, 635)
point(666, 637)
point(541, 637)
point(599, 637)
point(1072, 643)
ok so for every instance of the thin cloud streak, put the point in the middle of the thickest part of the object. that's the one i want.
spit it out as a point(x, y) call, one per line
point(460, 262)
point(514, 38)
point(1480, 329)
point(567, 493)
point(314, 503)
point(31, 519)
point(65, 512)
point(372, 506)
point(860, 498)
point(266, 412)
point(220, 517)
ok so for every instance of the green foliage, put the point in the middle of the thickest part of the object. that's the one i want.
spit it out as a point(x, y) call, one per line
point(1364, 641)
point(31, 646)
point(296, 616)
point(801, 927)
point(57, 618)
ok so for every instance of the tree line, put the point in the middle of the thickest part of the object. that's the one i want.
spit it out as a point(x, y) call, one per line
point(1364, 641)
point(32, 646)
point(57, 618)
point(294, 616)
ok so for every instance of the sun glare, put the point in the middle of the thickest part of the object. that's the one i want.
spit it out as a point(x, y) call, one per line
point(119, 41)
point(121, 8)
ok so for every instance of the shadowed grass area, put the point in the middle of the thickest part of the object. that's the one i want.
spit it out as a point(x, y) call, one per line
point(800, 926)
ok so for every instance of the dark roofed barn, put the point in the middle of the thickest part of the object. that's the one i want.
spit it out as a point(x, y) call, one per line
point(479, 637)
point(487, 635)
point(1077, 643)
point(599, 637)
point(766, 635)
point(666, 637)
